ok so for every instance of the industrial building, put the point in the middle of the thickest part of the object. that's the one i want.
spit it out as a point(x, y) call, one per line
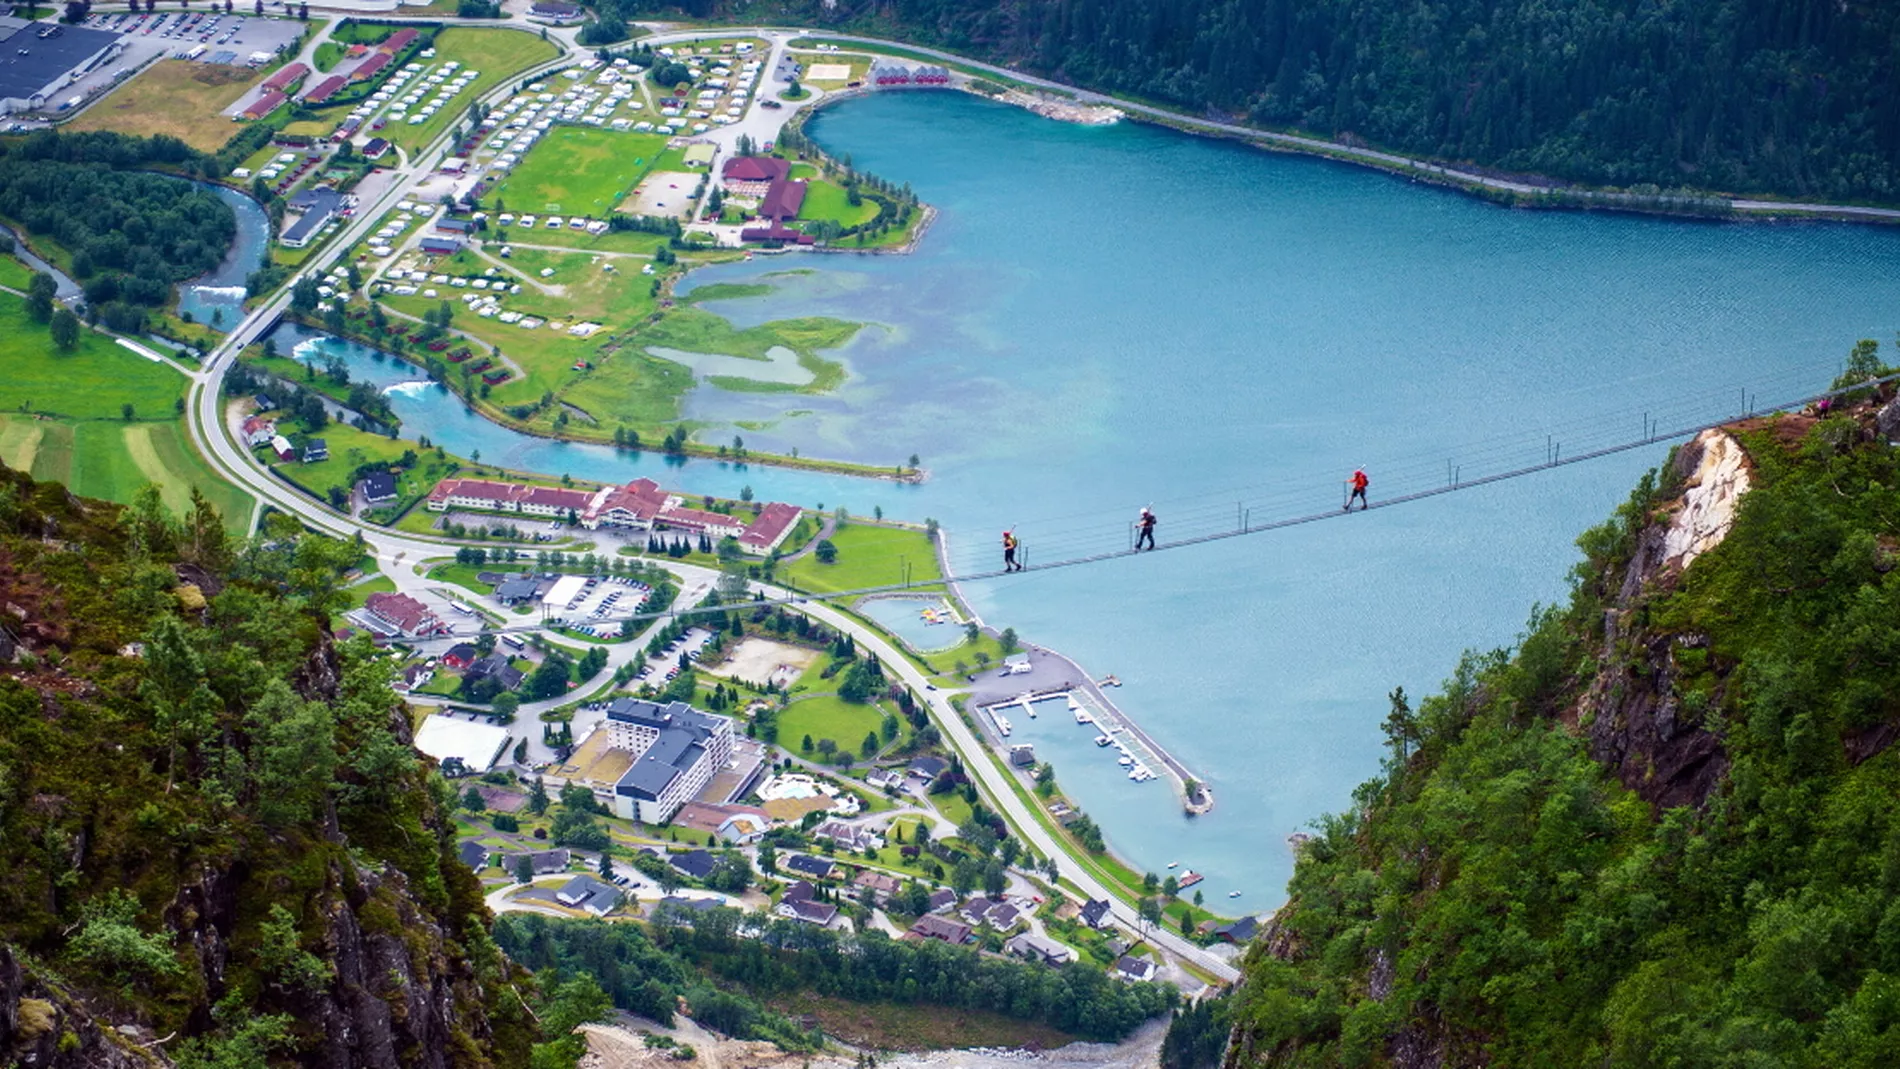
point(39, 59)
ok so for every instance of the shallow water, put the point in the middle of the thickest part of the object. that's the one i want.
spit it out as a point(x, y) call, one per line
point(1103, 318)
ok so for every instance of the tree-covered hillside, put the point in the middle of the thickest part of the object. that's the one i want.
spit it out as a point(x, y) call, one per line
point(1662, 831)
point(1799, 97)
point(217, 847)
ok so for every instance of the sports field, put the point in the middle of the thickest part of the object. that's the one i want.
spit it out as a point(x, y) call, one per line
point(579, 170)
point(178, 97)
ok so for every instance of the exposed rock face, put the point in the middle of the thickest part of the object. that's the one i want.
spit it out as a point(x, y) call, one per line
point(1716, 477)
point(42, 1029)
point(1887, 423)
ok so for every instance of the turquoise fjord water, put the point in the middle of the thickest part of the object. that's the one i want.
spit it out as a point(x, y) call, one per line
point(1103, 318)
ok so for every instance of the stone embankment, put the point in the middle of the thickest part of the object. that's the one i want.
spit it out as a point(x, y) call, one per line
point(1056, 108)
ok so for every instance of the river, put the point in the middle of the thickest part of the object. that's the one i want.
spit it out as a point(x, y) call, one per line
point(1103, 318)
point(216, 299)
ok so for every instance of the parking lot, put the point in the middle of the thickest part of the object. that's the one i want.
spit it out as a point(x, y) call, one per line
point(205, 36)
point(602, 603)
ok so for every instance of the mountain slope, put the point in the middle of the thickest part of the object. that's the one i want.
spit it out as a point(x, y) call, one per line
point(219, 847)
point(1665, 829)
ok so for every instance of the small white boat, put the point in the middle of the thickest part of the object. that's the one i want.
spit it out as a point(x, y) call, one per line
point(1002, 724)
point(1103, 740)
point(1125, 760)
point(1233, 894)
point(1082, 717)
point(1174, 864)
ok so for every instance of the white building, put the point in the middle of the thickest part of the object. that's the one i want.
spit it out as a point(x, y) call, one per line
point(677, 750)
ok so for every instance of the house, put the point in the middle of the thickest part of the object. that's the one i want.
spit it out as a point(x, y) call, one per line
point(459, 656)
point(518, 589)
point(799, 890)
point(325, 89)
point(404, 613)
point(742, 829)
point(1239, 931)
point(267, 101)
point(376, 148)
point(767, 532)
point(677, 750)
point(782, 201)
point(848, 836)
point(991, 911)
point(804, 864)
point(318, 206)
point(455, 226)
point(942, 900)
point(258, 430)
point(473, 854)
point(543, 862)
point(439, 245)
point(263, 402)
point(1022, 755)
point(371, 67)
point(695, 863)
point(1133, 970)
point(885, 778)
point(314, 450)
point(396, 42)
point(378, 487)
point(497, 667)
point(928, 768)
point(413, 676)
point(811, 911)
point(554, 12)
point(1036, 948)
point(286, 77)
point(281, 446)
point(590, 894)
point(752, 176)
point(932, 926)
point(1097, 913)
point(1015, 664)
point(881, 885)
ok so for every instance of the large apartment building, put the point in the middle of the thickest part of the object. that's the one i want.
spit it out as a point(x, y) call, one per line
point(676, 750)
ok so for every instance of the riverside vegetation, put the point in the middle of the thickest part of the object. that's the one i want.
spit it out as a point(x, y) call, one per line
point(1765, 96)
point(1661, 831)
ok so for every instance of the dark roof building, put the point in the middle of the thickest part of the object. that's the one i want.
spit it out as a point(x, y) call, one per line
point(378, 487)
point(928, 767)
point(290, 74)
point(473, 854)
point(808, 910)
point(496, 666)
point(319, 206)
point(783, 200)
point(1239, 931)
point(1097, 912)
point(1134, 970)
point(756, 169)
point(516, 589)
point(544, 862)
point(695, 863)
point(404, 613)
point(39, 59)
point(799, 890)
point(815, 867)
point(932, 926)
point(778, 232)
point(942, 899)
point(441, 245)
point(588, 893)
point(679, 749)
point(315, 449)
point(375, 148)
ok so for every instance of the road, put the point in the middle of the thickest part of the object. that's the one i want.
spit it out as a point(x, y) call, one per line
point(398, 554)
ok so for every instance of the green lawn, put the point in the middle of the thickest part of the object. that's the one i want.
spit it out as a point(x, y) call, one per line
point(829, 200)
point(868, 555)
point(350, 449)
point(90, 382)
point(578, 170)
point(827, 717)
point(463, 575)
point(499, 54)
point(14, 273)
point(360, 593)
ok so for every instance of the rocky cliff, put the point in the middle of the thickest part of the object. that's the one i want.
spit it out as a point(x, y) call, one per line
point(219, 846)
point(1664, 829)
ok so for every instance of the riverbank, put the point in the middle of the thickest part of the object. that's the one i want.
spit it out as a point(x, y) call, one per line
point(1514, 189)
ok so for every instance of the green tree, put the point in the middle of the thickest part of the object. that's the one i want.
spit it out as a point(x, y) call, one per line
point(569, 1005)
point(826, 551)
point(537, 798)
point(281, 955)
point(39, 296)
point(64, 328)
point(524, 869)
point(472, 800)
point(110, 940)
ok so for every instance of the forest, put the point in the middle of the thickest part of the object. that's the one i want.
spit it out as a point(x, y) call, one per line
point(130, 233)
point(213, 828)
point(643, 973)
point(1794, 97)
point(1663, 830)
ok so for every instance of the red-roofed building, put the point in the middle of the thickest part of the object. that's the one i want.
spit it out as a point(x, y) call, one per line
point(472, 494)
point(267, 101)
point(325, 89)
point(768, 532)
point(550, 501)
point(258, 430)
point(633, 505)
point(712, 524)
point(287, 77)
point(782, 201)
point(372, 66)
point(752, 176)
point(397, 41)
point(404, 613)
point(776, 232)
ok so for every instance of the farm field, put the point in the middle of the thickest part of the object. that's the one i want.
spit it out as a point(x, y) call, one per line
point(578, 170)
point(499, 54)
point(112, 461)
point(90, 382)
point(176, 97)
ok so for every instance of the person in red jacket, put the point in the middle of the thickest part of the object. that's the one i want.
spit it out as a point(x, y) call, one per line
point(1359, 483)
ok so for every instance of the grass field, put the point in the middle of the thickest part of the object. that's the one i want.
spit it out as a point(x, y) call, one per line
point(90, 382)
point(176, 97)
point(867, 556)
point(578, 170)
point(14, 273)
point(351, 449)
point(498, 53)
point(827, 717)
point(112, 461)
point(828, 200)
